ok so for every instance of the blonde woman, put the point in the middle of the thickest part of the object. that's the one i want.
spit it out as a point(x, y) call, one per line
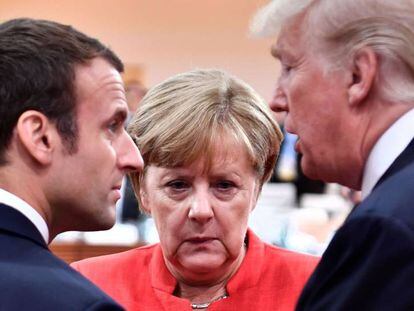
point(209, 143)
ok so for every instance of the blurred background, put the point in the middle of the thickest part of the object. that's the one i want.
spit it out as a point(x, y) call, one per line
point(157, 39)
point(165, 37)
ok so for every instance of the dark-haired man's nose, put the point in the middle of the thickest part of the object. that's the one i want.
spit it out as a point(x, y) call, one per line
point(129, 157)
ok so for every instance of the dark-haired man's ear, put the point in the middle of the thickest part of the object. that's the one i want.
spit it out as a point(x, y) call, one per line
point(37, 136)
point(364, 68)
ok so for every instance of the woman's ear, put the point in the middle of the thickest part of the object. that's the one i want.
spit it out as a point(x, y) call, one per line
point(257, 191)
point(144, 200)
point(37, 136)
point(364, 68)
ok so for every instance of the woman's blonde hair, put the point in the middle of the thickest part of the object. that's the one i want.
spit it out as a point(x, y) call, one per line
point(181, 119)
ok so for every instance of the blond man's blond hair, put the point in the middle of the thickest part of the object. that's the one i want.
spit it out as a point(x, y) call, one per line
point(338, 29)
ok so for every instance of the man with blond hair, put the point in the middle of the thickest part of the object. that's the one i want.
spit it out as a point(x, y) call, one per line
point(347, 85)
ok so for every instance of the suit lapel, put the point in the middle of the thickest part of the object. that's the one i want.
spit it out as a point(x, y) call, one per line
point(16, 223)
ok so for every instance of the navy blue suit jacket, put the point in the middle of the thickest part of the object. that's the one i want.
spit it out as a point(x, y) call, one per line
point(369, 265)
point(32, 278)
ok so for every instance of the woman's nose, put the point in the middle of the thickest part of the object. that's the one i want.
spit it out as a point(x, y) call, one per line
point(201, 209)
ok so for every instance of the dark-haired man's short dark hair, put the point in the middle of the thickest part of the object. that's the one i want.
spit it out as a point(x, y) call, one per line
point(37, 72)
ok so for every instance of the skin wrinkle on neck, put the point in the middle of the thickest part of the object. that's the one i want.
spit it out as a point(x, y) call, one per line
point(202, 294)
point(206, 293)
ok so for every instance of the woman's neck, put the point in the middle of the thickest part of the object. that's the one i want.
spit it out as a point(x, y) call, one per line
point(201, 294)
point(205, 293)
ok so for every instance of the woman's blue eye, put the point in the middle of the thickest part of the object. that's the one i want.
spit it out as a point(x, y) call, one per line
point(177, 184)
point(225, 185)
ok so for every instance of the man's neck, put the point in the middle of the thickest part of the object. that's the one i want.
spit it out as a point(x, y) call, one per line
point(386, 149)
point(14, 201)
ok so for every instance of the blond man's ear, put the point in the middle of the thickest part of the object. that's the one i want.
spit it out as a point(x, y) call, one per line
point(364, 67)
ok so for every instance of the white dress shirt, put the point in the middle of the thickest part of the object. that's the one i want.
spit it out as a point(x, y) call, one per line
point(390, 145)
point(28, 211)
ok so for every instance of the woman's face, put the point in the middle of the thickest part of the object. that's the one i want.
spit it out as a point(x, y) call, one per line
point(201, 215)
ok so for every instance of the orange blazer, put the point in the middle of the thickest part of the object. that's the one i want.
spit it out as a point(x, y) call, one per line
point(269, 278)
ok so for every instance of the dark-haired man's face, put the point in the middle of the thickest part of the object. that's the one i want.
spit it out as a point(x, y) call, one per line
point(91, 178)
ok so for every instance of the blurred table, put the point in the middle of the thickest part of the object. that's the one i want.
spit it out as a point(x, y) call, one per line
point(75, 251)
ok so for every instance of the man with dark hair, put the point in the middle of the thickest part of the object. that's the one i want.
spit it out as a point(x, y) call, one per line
point(63, 154)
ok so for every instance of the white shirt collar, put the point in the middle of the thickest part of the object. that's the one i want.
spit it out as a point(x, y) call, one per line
point(390, 145)
point(28, 211)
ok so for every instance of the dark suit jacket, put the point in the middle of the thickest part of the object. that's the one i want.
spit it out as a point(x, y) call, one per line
point(369, 264)
point(32, 278)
